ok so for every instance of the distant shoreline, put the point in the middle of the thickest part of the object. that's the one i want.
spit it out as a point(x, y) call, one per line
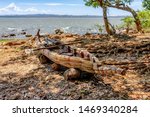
point(49, 15)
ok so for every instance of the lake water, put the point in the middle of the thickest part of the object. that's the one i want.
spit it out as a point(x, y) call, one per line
point(79, 25)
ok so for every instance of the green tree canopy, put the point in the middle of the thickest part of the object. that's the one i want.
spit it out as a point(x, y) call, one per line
point(118, 4)
point(146, 4)
point(95, 3)
point(145, 18)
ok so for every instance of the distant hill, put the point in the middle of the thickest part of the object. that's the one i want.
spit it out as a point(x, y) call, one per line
point(53, 15)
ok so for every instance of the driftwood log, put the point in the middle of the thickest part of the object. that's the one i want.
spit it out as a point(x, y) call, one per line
point(73, 58)
point(67, 61)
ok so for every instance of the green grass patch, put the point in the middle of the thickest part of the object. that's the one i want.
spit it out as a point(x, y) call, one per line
point(7, 40)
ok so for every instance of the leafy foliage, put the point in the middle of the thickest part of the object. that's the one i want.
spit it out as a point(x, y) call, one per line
point(100, 28)
point(120, 1)
point(146, 4)
point(128, 21)
point(144, 17)
point(119, 4)
point(93, 3)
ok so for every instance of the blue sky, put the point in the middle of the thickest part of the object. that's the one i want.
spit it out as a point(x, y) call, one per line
point(62, 7)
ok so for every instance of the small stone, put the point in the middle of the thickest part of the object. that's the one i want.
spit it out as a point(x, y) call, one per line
point(59, 31)
point(31, 89)
point(23, 33)
point(71, 74)
point(55, 66)
point(5, 35)
point(12, 35)
point(28, 35)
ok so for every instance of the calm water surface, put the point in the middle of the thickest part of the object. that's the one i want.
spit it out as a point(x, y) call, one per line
point(49, 24)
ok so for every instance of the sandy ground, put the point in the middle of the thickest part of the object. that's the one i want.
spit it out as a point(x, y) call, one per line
point(23, 77)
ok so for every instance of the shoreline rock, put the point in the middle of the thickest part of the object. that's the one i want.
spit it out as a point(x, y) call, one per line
point(28, 35)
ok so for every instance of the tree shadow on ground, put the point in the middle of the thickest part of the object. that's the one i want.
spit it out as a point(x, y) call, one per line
point(31, 87)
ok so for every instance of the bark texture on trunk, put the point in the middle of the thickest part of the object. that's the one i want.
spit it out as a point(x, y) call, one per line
point(135, 16)
point(106, 22)
point(137, 21)
point(109, 30)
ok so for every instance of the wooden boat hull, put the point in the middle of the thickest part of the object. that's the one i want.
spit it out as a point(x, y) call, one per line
point(69, 61)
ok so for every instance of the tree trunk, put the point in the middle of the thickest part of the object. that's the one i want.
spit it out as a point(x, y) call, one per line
point(135, 16)
point(137, 20)
point(106, 22)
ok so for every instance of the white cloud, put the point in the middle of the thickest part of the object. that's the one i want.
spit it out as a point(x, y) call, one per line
point(31, 10)
point(12, 8)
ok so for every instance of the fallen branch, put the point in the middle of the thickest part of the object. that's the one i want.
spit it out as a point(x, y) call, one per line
point(56, 46)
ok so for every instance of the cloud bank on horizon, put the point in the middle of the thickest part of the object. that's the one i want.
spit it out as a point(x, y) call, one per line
point(60, 8)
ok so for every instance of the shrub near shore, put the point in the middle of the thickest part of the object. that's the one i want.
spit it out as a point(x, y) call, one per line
point(128, 22)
